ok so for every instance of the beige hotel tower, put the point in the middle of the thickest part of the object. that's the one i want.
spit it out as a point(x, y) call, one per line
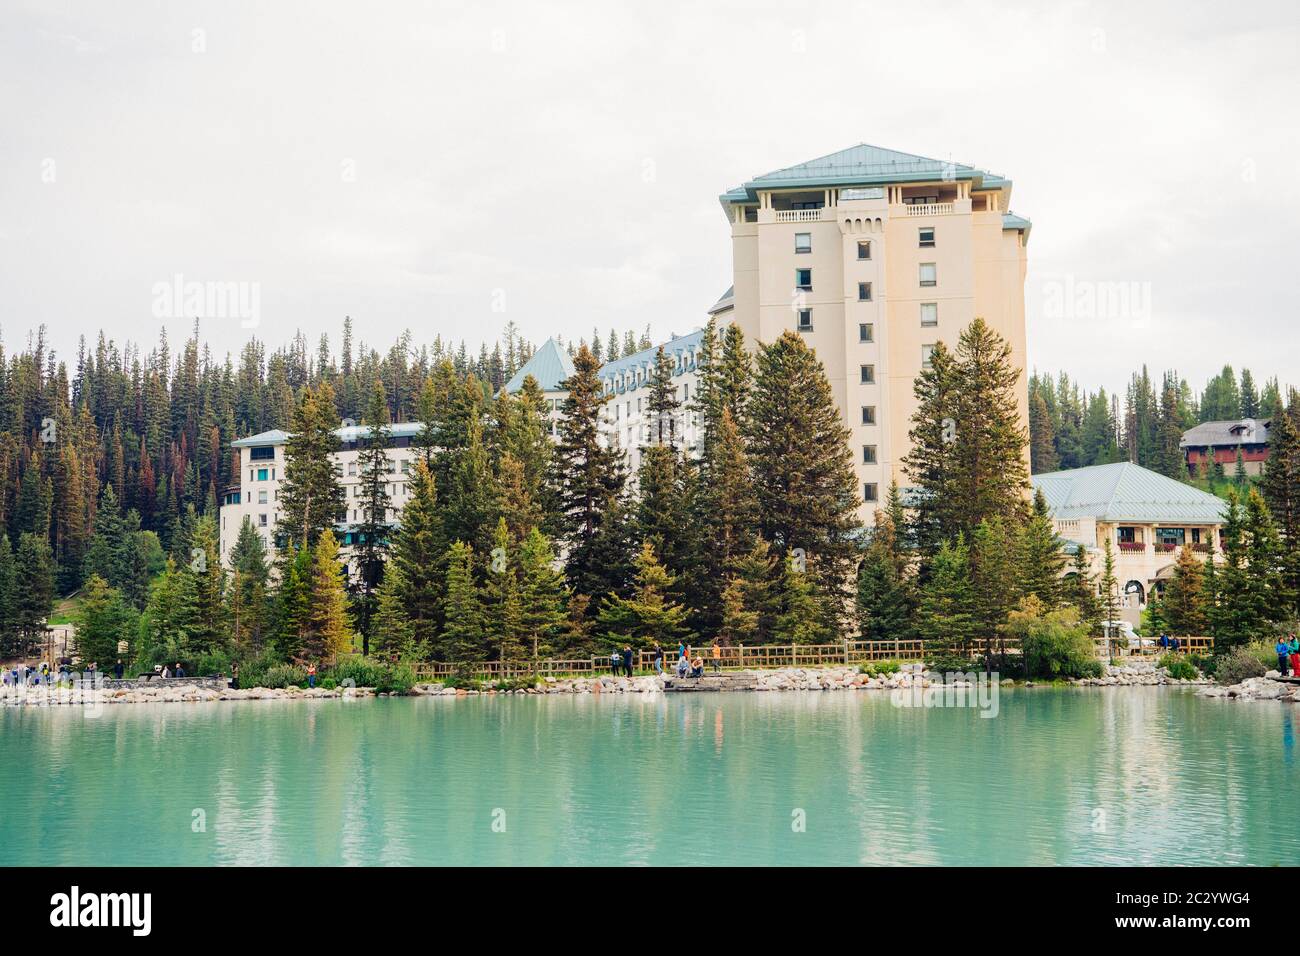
point(873, 256)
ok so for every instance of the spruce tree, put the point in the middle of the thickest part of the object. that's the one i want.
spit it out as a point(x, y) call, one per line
point(1183, 605)
point(462, 641)
point(1081, 588)
point(648, 615)
point(103, 618)
point(328, 629)
point(34, 571)
point(542, 596)
point(502, 606)
point(967, 457)
point(590, 476)
point(805, 486)
point(249, 584)
point(1041, 562)
point(945, 618)
point(311, 497)
point(8, 599)
point(207, 626)
point(886, 602)
point(1281, 488)
point(419, 555)
point(374, 502)
point(802, 618)
point(108, 554)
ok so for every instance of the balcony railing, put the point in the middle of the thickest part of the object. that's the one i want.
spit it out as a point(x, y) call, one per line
point(1136, 547)
point(1165, 546)
point(929, 209)
point(799, 215)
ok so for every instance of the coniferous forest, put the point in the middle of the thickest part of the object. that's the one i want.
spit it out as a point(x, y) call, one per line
point(517, 544)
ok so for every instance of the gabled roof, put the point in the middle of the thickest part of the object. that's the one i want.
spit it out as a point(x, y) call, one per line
point(550, 365)
point(1126, 492)
point(725, 301)
point(688, 343)
point(1242, 431)
point(863, 165)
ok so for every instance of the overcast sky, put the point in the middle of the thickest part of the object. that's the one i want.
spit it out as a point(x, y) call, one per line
point(448, 166)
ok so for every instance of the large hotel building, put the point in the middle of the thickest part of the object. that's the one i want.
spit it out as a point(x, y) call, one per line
point(871, 254)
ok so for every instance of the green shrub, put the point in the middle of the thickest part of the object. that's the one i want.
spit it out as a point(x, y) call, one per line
point(252, 672)
point(879, 668)
point(366, 672)
point(398, 679)
point(328, 684)
point(1203, 663)
point(205, 665)
point(1265, 652)
point(361, 671)
point(1055, 644)
point(1237, 666)
point(281, 676)
point(1179, 666)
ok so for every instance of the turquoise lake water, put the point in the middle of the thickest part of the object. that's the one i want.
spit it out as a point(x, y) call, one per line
point(1073, 776)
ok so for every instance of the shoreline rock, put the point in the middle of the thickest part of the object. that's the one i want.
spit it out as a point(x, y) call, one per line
point(1255, 688)
point(1129, 674)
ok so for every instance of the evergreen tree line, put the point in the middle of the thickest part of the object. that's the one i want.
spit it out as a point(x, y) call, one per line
point(1072, 428)
point(515, 546)
point(155, 427)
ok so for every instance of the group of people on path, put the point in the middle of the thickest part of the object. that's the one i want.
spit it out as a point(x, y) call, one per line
point(46, 674)
point(688, 663)
point(1288, 656)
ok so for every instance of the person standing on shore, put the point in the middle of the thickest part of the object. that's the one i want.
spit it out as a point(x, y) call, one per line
point(716, 654)
point(627, 659)
point(1293, 649)
point(659, 659)
point(118, 669)
point(1282, 649)
point(311, 675)
point(615, 661)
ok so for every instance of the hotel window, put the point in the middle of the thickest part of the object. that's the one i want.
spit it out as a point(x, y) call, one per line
point(869, 491)
point(803, 242)
point(352, 468)
point(805, 320)
point(262, 453)
point(926, 237)
point(866, 332)
point(803, 280)
point(406, 466)
point(868, 414)
point(867, 374)
point(864, 250)
point(261, 474)
point(929, 314)
point(261, 519)
point(926, 352)
point(261, 498)
point(929, 275)
point(868, 454)
point(864, 291)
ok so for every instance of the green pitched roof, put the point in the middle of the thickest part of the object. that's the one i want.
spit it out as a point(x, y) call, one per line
point(1126, 492)
point(550, 365)
point(863, 165)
